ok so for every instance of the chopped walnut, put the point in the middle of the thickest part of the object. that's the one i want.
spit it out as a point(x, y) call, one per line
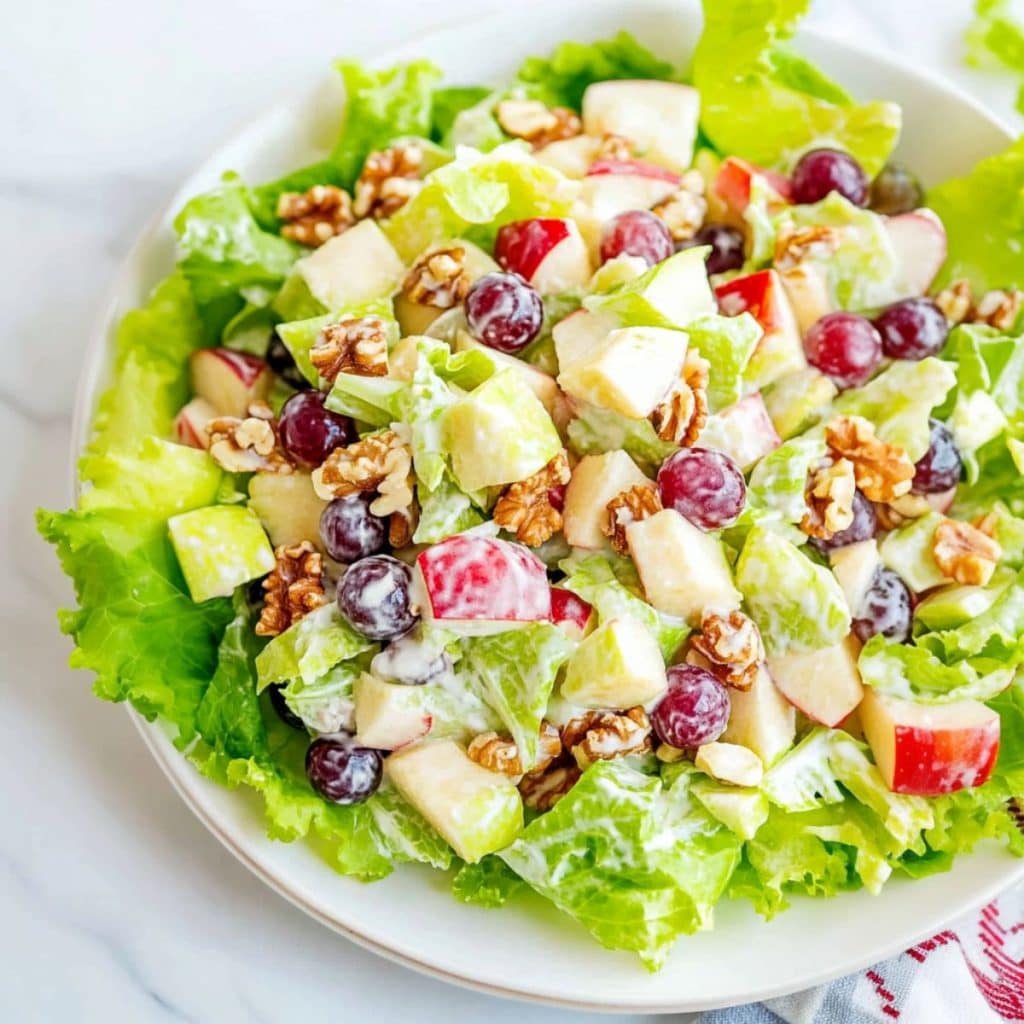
point(681, 417)
point(357, 345)
point(999, 308)
point(380, 462)
point(683, 212)
point(894, 514)
point(956, 301)
point(794, 245)
point(732, 645)
point(639, 502)
point(316, 215)
point(605, 735)
point(438, 278)
point(402, 525)
point(293, 589)
point(498, 754)
point(543, 789)
point(965, 554)
point(829, 498)
point(536, 123)
point(525, 508)
point(882, 471)
point(389, 179)
point(247, 445)
point(615, 147)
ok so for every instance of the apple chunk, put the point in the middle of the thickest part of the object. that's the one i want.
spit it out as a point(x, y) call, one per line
point(190, 423)
point(824, 684)
point(919, 241)
point(929, 749)
point(744, 431)
point(478, 585)
point(287, 506)
point(573, 615)
point(595, 480)
point(734, 178)
point(761, 719)
point(388, 715)
point(229, 381)
point(549, 252)
point(354, 267)
point(618, 666)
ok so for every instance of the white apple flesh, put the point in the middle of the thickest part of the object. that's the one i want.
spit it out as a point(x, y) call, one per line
point(919, 242)
point(229, 381)
point(190, 423)
point(761, 719)
point(825, 684)
point(930, 749)
point(388, 715)
point(549, 252)
point(744, 431)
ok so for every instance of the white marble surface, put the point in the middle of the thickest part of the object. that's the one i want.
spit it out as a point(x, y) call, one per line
point(115, 903)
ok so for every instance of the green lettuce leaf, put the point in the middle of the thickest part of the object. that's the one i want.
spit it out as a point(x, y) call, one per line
point(727, 343)
point(995, 40)
point(423, 406)
point(451, 101)
point(635, 864)
point(444, 511)
point(775, 492)
point(488, 883)
point(762, 102)
point(325, 703)
point(595, 430)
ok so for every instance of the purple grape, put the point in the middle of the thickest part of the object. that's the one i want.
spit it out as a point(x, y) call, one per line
point(309, 431)
point(694, 710)
point(895, 191)
point(636, 233)
point(281, 361)
point(845, 347)
point(374, 597)
point(350, 531)
point(863, 527)
point(821, 171)
point(912, 329)
point(280, 705)
point(342, 772)
point(504, 312)
point(704, 486)
point(886, 609)
point(727, 247)
point(940, 467)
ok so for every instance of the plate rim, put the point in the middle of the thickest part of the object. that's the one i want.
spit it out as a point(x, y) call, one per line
point(178, 769)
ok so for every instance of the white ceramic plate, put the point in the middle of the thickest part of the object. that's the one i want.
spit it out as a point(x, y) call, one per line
point(529, 950)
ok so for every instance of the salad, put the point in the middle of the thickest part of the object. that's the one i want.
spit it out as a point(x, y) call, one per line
point(610, 484)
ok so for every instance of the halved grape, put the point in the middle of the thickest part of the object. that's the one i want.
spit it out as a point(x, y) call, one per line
point(504, 312)
point(374, 596)
point(636, 233)
point(350, 531)
point(309, 431)
point(342, 772)
point(886, 609)
point(821, 171)
point(704, 486)
point(694, 710)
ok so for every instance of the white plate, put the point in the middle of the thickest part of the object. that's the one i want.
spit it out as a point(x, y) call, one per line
point(529, 950)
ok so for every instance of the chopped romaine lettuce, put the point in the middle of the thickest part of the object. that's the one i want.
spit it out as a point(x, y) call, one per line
point(444, 511)
point(595, 430)
point(727, 343)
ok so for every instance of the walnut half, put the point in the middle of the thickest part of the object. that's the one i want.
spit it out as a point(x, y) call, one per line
point(829, 499)
point(499, 754)
point(357, 345)
point(438, 278)
point(732, 645)
point(536, 123)
point(525, 508)
point(293, 589)
point(639, 502)
point(964, 553)
point(389, 179)
point(606, 735)
point(681, 417)
point(380, 462)
point(249, 444)
point(316, 215)
point(882, 471)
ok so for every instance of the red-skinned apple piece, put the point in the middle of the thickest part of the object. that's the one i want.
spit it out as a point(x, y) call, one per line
point(930, 749)
point(733, 180)
point(190, 423)
point(549, 252)
point(571, 613)
point(943, 501)
point(825, 684)
point(387, 715)
point(229, 380)
point(744, 431)
point(640, 168)
point(619, 185)
point(919, 242)
point(478, 585)
point(762, 296)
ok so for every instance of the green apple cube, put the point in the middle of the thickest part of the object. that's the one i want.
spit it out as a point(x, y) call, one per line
point(683, 569)
point(779, 354)
point(630, 372)
point(797, 605)
point(618, 666)
point(352, 268)
point(670, 294)
point(798, 400)
point(219, 548)
point(739, 809)
point(499, 433)
point(908, 552)
point(476, 811)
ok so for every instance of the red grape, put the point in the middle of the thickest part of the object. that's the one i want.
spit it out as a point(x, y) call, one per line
point(821, 171)
point(863, 527)
point(704, 486)
point(374, 596)
point(636, 233)
point(940, 467)
point(280, 705)
point(309, 431)
point(895, 191)
point(727, 247)
point(694, 710)
point(886, 609)
point(282, 362)
point(350, 531)
point(504, 312)
point(845, 347)
point(342, 772)
point(912, 329)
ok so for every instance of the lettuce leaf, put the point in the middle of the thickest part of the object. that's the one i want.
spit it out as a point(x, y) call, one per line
point(727, 343)
point(635, 864)
point(444, 511)
point(995, 40)
point(325, 703)
point(775, 492)
point(762, 102)
point(423, 406)
point(595, 430)
point(488, 883)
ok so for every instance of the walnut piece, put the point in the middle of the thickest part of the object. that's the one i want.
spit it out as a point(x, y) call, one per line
point(247, 445)
point(499, 754)
point(795, 245)
point(829, 498)
point(956, 301)
point(293, 589)
point(542, 790)
point(388, 180)
point(356, 345)
point(882, 471)
point(525, 508)
point(895, 513)
point(732, 645)
point(639, 502)
point(402, 525)
point(999, 308)
point(536, 123)
point(681, 417)
point(380, 462)
point(683, 212)
point(964, 553)
point(615, 147)
point(316, 215)
point(606, 735)
point(438, 278)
